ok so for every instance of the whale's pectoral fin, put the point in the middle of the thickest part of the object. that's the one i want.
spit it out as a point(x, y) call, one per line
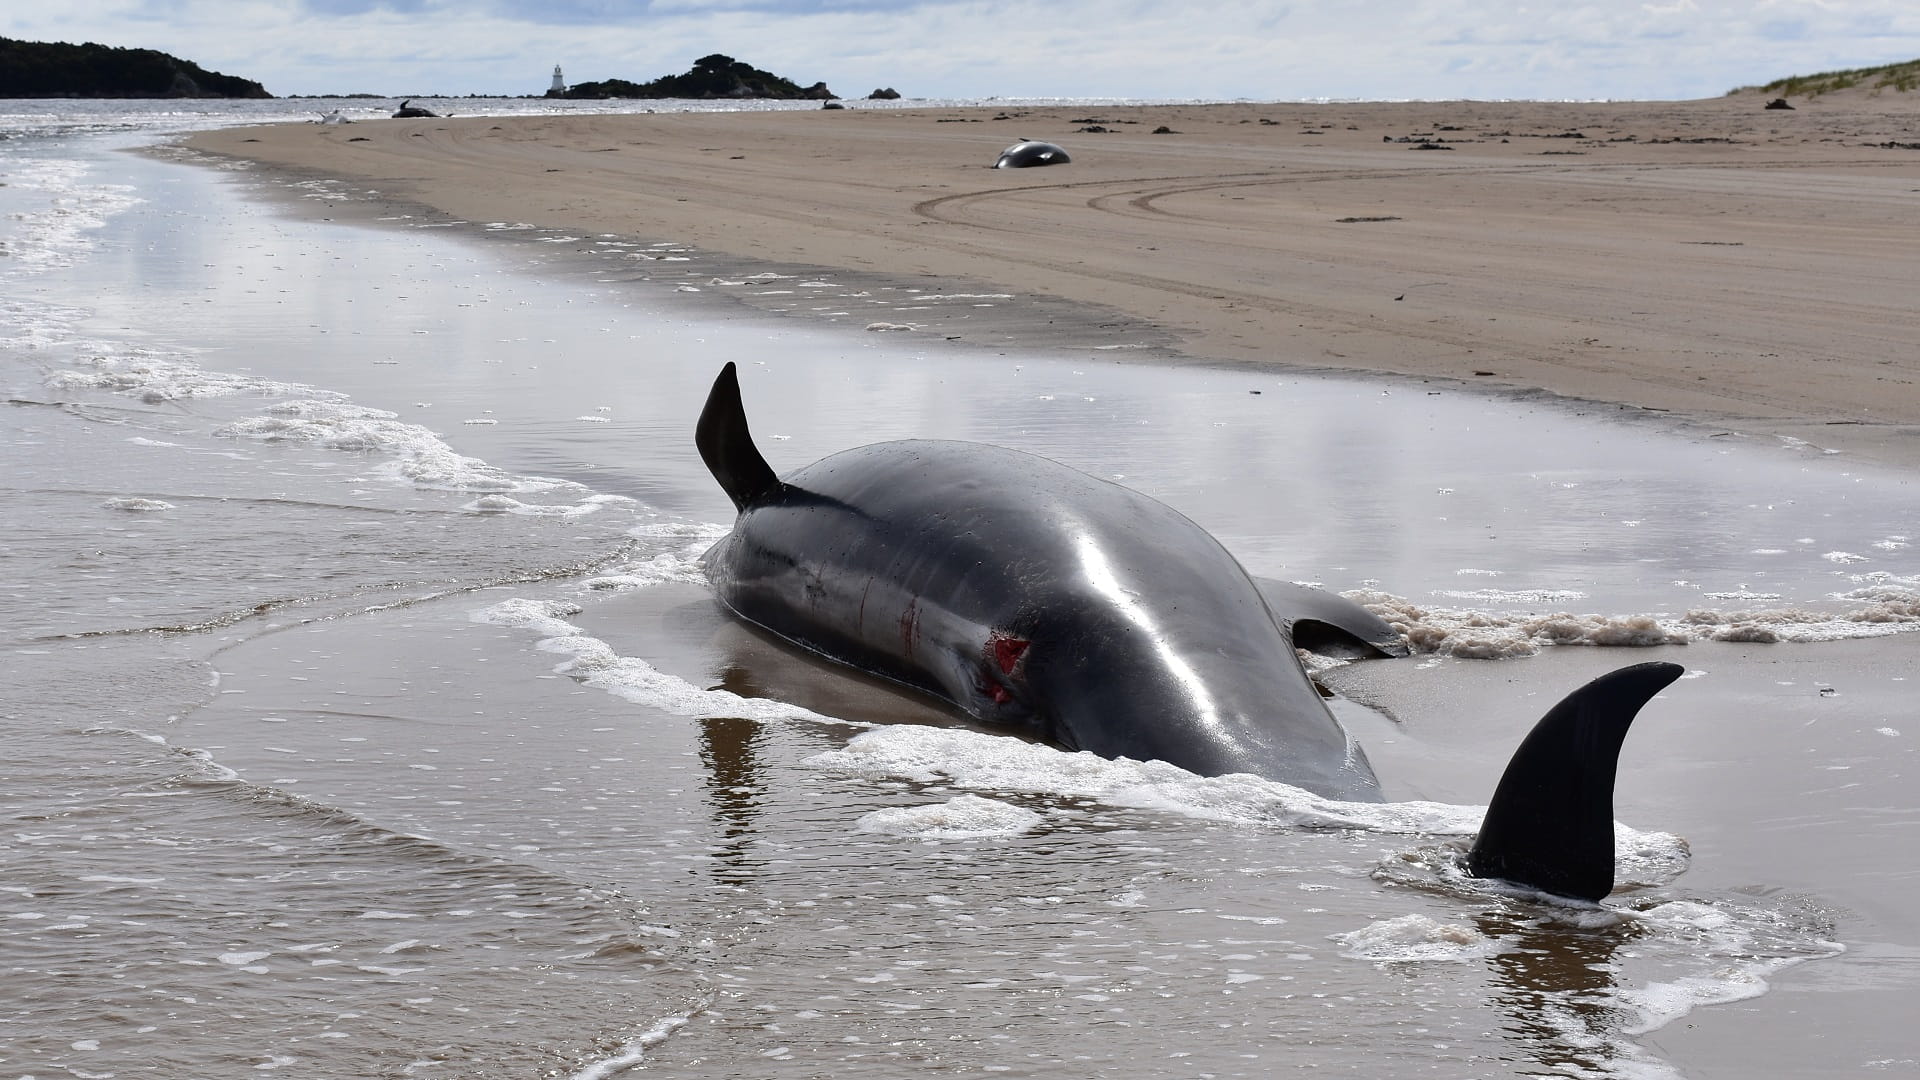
point(1550, 824)
point(1329, 624)
point(727, 446)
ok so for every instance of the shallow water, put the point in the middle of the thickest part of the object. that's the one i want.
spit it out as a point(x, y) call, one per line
point(370, 717)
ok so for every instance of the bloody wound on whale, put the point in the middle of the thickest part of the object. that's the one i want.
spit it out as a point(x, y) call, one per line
point(1032, 595)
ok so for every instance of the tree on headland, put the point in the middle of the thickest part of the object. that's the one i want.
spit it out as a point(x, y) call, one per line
point(713, 76)
point(32, 69)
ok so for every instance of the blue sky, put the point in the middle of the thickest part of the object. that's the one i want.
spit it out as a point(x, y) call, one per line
point(1278, 50)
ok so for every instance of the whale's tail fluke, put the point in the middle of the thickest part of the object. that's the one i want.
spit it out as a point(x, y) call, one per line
point(727, 446)
point(1550, 823)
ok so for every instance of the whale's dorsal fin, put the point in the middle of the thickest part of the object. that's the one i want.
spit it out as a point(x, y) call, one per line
point(1550, 824)
point(727, 446)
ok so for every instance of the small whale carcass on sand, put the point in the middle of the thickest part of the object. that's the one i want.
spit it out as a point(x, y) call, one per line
point(1034, 596)
point(1028, 154)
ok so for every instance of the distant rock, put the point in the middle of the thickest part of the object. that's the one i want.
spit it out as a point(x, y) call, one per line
point(1778, 103)
point(715, 76)
point(885, 93)
point(32, 69)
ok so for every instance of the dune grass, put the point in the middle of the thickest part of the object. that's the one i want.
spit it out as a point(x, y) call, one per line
point(1900, 77)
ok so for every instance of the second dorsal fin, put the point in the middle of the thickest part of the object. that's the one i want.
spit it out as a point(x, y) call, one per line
point(1550, 823)
point(727, 446)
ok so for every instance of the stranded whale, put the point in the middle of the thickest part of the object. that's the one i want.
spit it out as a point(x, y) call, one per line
point(1032, 595)
point(1027, 154)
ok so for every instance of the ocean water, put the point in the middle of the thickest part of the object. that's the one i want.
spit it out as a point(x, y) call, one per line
point(368, 715)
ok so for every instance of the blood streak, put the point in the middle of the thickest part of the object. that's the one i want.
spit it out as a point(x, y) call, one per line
point(910, 627)
point(1004, 652)
point(1007, 650)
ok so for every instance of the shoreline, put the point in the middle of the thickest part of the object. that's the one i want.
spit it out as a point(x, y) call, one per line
point(1728, 267)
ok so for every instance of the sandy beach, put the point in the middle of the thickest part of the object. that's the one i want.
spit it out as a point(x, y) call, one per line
point(1750, 268)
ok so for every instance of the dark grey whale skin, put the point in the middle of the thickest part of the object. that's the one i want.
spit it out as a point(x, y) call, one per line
point(1023, 592)
point(1093, 617)
point(1028, 155)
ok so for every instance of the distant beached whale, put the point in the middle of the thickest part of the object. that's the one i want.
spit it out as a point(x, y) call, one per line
point(1026, 155)
point(409, 109)
point(1035, 596)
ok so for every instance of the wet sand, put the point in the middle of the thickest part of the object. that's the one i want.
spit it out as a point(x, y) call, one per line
point(1749, 268)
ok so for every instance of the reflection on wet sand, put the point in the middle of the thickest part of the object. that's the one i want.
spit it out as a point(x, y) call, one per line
point(729, 748)
point(1554, 983)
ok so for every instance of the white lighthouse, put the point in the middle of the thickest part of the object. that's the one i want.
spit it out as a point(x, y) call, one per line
point(559, 87)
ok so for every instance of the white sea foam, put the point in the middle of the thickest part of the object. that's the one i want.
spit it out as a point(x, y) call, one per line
point(1514, 596)
point(1413, 939)
point(1873, 611)
point(633, 1052)
point(504, 504)
point(413, 454)
point(689, 530)
point(409, 453)
point(963, 817)
point(61, 230)
point(1885, 604)
point(1881, 583)
point(155, 376)
point(1689, 953)
point(1737, 946)
point(975, 761)
point(595, 663)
